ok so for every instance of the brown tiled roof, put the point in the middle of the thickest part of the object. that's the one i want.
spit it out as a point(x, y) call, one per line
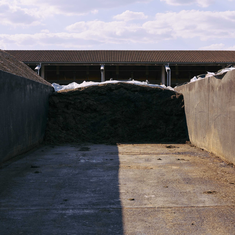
point(10, 64)
point(118, 56)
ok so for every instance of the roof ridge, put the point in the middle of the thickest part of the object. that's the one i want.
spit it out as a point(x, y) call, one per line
point(124, 56)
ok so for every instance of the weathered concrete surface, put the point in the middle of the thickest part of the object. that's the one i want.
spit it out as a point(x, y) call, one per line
point(23, 105)
point(210, 114)
point(123, 189)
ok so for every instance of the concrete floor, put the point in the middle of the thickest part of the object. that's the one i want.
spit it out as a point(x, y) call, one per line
point(123, 189)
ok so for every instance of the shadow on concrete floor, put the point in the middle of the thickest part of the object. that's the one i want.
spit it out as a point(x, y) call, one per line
point(62, 190)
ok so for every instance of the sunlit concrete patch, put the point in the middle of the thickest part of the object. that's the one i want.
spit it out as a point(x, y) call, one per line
point(179, 220)
point(173, 190)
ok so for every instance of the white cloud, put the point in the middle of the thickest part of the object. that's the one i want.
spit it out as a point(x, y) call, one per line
point(199, 25)
point(130, 15)
point(219, 46)
point(202, 3)
point(31, 12)
point(45, 31)
point(94, 11)
point(203, 25)
point(76, 6)
point(41, 40)
point(191, 24)
point(103, 31)
point(232, 48)
point(14, 15)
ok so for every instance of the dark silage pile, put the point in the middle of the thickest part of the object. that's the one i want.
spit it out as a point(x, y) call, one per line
point(116, 113)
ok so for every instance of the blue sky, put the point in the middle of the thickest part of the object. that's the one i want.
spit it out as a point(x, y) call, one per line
point(117, 25)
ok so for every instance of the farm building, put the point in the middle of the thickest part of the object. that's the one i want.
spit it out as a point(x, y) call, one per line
point(158, 67)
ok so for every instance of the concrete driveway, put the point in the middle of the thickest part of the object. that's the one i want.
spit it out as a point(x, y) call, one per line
point(117, 189)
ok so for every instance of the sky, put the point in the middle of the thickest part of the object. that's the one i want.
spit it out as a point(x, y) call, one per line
point(117, 24)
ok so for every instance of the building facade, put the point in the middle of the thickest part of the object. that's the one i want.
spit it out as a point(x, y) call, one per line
point(158, 67)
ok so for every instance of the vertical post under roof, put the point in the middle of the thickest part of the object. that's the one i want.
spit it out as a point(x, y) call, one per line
point(102, 71)
point(43, 71)
point(163, 77)
point(168, 71)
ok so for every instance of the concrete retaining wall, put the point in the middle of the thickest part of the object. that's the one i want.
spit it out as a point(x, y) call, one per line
point(210, 114)
point(23, 107)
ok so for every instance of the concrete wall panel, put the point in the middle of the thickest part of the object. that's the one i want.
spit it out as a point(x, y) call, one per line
point(210, 114)
point(23, 107)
